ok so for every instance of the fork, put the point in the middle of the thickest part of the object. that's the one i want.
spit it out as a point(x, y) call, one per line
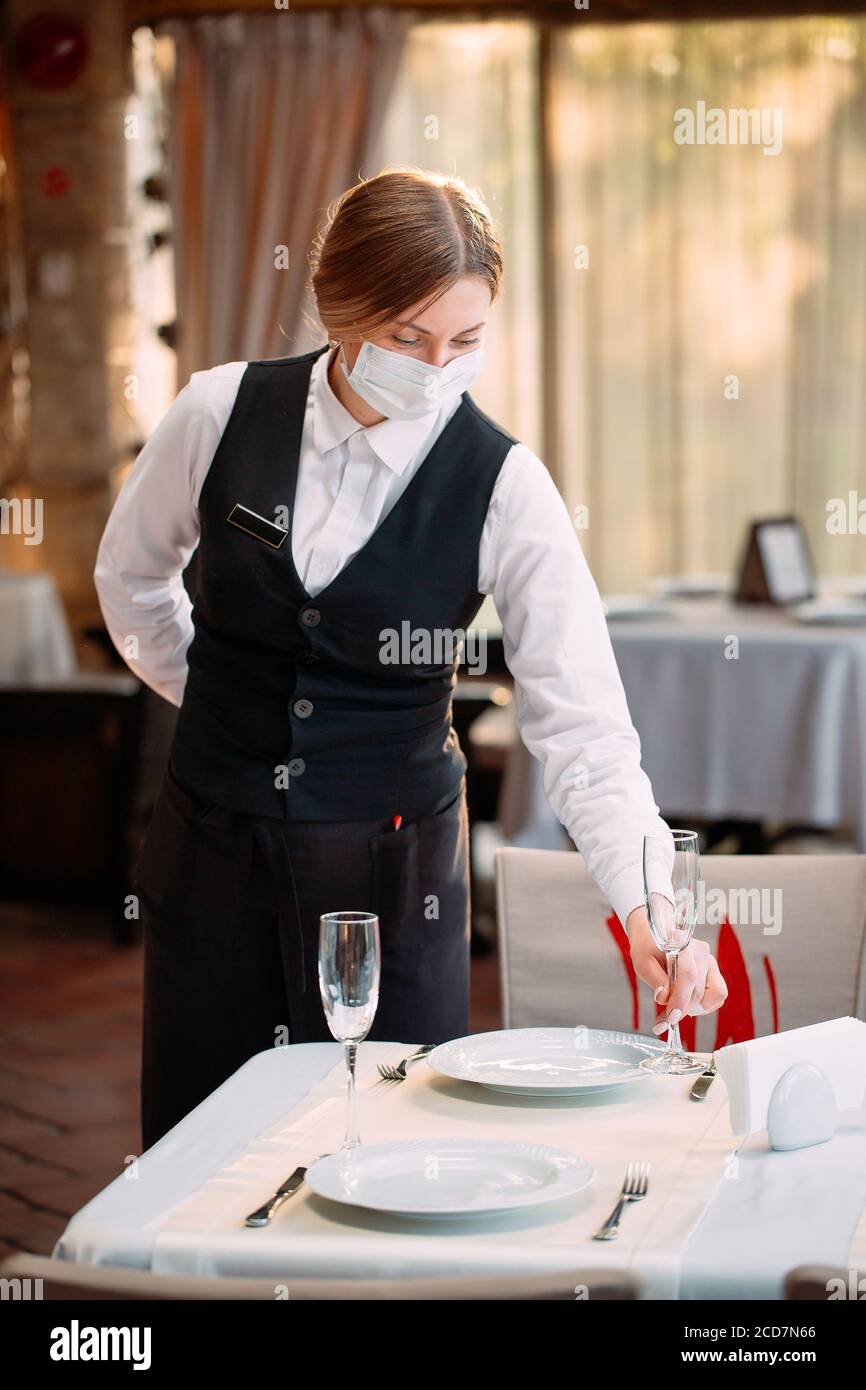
point(398, 1073)
point(634, 1189)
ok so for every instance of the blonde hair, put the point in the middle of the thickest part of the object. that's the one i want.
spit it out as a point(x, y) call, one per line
point(401, 238)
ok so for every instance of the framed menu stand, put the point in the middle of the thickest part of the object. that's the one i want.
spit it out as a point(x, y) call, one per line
point(777, 565)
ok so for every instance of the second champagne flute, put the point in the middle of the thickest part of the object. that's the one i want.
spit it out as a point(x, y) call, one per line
point(349, 973)
point(671, 863)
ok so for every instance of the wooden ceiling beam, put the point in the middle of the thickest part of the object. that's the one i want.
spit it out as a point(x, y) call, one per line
point(600, 11)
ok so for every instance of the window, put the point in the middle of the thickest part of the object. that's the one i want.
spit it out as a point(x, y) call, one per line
point(704, 322)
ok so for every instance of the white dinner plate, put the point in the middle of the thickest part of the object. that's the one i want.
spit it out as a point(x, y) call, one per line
point(691, 585)
point(634, 608)
point(546, 1061)
point(448, 1178)
point(832, 612)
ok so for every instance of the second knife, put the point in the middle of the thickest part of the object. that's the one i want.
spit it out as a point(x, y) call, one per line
point(703, 1083)
point(263, 1214)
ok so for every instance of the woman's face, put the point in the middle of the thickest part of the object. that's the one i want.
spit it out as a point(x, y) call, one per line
point(435, 333)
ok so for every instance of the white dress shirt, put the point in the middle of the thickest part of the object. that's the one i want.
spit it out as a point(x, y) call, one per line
point(569, 699)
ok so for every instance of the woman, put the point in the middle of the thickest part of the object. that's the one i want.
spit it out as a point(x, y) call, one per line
point(336, 499)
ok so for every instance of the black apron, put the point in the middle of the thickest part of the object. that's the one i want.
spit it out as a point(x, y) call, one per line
point(230, 906)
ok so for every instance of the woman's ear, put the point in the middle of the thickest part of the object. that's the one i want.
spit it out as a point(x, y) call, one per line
point(350, 347)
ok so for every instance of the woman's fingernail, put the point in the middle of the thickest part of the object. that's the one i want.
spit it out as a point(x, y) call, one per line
point(661, 1027)
point(675, 1017)
point(659, 992)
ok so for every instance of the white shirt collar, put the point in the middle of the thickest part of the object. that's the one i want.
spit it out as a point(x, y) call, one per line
point(395, 442)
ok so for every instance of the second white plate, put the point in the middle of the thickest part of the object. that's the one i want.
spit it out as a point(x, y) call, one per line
point(634, 608)
point(832, 612)
point(546, 1061)
point(691, 585)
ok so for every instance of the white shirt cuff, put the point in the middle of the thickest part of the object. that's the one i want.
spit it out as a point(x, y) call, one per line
point(626, 892)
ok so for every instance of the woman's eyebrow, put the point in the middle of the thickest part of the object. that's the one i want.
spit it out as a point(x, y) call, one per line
point(407, 323)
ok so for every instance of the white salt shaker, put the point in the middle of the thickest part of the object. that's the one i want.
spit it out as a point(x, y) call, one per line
point(802, 1108)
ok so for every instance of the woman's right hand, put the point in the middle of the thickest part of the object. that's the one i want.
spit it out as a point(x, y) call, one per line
point(700, 986)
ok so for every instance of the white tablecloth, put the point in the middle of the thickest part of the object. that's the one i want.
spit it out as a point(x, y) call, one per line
point(35, 641)
point(181, 1207)
point(779, 733)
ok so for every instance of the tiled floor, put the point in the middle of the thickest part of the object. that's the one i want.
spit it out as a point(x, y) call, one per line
point(69, 1064)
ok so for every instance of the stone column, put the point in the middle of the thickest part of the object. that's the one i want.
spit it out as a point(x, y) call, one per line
point(70, 143)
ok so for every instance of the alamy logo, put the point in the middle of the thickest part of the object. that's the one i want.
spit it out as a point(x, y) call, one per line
point(740, 906)
point(438, 646)
point(22, 517)
point(854, 1289)
point(77, 1343)
point(739, 126)
point(20, 1290)
point(846, 518)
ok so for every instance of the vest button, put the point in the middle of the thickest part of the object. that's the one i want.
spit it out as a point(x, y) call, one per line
point(310, 617)
point(296, 767)
point(303, 708)
point(307, 658)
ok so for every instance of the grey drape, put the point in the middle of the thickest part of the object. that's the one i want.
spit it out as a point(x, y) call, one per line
point(270, 118)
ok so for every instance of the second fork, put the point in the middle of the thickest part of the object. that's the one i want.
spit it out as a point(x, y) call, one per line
point(634, 1189)
point(398, 1073)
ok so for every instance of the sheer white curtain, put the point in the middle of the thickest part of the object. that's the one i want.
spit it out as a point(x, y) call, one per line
point(270, 117)
point(713, 270)
point(466, 103)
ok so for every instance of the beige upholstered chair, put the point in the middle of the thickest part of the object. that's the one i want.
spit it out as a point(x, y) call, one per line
point(788, 931)
point(67, 1281)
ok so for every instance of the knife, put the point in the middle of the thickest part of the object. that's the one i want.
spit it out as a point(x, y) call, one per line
point(262, 1216)
point(703, 1083)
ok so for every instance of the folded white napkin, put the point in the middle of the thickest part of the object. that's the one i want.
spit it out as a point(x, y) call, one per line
point(750, 1070)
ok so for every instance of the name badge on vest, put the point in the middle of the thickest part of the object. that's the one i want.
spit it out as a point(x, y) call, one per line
point(258, 526)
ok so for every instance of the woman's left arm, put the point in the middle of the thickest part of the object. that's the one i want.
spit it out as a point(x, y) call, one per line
point(572, 711)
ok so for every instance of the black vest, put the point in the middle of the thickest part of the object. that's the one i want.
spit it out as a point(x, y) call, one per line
point(303, 707)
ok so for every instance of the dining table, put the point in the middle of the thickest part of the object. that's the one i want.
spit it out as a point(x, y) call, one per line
point(745, 712)
point(35, 637)
point(724, 1217)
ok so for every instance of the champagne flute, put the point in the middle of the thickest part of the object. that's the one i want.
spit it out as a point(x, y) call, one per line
point(671, 866)
point(349, 972)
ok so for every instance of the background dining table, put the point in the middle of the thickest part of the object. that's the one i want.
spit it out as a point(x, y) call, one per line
point(716, 1221)
point(744, 713)
point(35, 638)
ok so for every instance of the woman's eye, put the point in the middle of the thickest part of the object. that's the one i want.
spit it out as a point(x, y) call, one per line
point(414, 342)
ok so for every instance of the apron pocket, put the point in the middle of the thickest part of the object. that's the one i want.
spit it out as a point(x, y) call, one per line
point(396, 883)
point(159, 867)
point(189, 804)
point(443, 849)
point(189, 853)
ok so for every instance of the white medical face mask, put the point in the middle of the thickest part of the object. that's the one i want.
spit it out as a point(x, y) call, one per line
point(402, 388)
